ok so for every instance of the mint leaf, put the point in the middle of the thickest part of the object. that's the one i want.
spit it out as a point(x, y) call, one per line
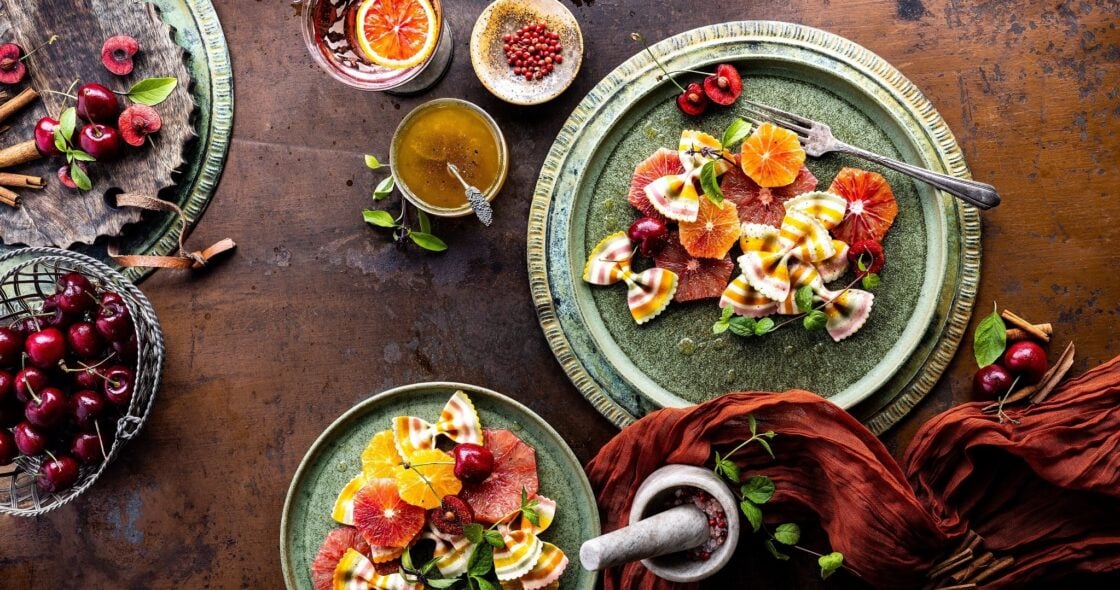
point(427, 241)
point(815, 320)
point(152, 91)
point(384, 188)
point(870, 281)
point(753, 514)
point(494, 538)
point(752, 424)
point(473, 532)
point(439, 584)
point(80, 178)
point(830, 563)
point(766, 446)
point(81, 156)
point(773, 549)
point(379, 218)
point(860, 264)
point(709, 183)
point(484, 584)
point(763, 326)
point(724, 322)
point(406, 561)
point(788, 533)
point(758, 489)
point(727, 468)
point(67, 122)
point(481, 562)
point(372, 162)
point(803, 297)
point(735, 132)
point(990, 339)
point(742, 326)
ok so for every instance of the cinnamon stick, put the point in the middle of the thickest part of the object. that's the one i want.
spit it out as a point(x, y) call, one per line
point(1054, 376)
point(1024, 325)
point(1016, 334)
point(21, 180)
point(20, 153)
point(993, 569)
point(9, 198)
point(969, 571)
point(18, 102)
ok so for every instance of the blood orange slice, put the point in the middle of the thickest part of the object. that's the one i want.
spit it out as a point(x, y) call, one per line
point(697, 278)
point(759, 204)
point(871, 205)
point(714, 232)
point(383, 518)
point(663, 162)
point(331, 552)
point(772, 156)
point(515, 467)
point(397, 34)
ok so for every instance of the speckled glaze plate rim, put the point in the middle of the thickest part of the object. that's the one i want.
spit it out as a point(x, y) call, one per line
point(358, 411)
point(597, 377)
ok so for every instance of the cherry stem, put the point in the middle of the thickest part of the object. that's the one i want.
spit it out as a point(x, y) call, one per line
point(692, 72)
point(999, 409)
point(41, 45)
point(100, 439)
point(638, 37)
point(822, 304)
point(60, 93)
point(51, 455)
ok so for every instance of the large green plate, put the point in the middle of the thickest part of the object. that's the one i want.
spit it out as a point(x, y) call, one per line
point(198, 31)
point(933, 250)
point(334, 458)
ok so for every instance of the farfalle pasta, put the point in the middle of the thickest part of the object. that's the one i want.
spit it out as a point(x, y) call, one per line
point(648, 292)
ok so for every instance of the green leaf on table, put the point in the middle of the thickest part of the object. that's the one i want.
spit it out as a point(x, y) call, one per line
point(758, 489)
point(473, 532)
point(80, 178)
point(379, 218)
point(870, 281)
point(742, 326)
point(81, 156)
point(60, 141)
point(830, 563)
point(990, 339)
point(788, 533)
point(735, 132)
point(815, 320)
point(427, 241)
point(753, 514)
point(152, 91)
point(724, 322)
point(773, 549)
point(804, 298)
point(67, 122)
point(384, 188)
point(372, 162)
point(482, 561)
point(763, 326)
point(710, 183)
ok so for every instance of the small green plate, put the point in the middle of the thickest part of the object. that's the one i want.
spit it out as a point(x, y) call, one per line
point(334, 458)
point(928, 285)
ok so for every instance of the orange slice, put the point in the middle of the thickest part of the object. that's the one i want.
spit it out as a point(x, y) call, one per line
point(426, 478)
point(772, 156)
point(380, 456)
point(714, 232)
point(871, 205)
point(397, 34)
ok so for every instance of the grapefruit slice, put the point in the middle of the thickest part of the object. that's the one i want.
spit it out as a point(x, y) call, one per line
point(426, 477)
point(397, 34)
point(772, 156)
point(759, 204)
point(871, 205)
point(697, 278)
point(714, 232)
point(515, 467)
point(383, 518)
point(663, 162)
point(331, 552)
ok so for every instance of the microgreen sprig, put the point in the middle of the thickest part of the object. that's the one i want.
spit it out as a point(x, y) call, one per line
point(402, 230)
point(67, 122)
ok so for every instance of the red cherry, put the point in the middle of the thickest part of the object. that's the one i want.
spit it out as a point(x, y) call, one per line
point(12, 68)
point(113, 320)
point(57, 474)
point(75, 293)
point(29, 440)
point(29, 380)
point(651, 235)
point(1027, 360)
point(725, 86)
point(118, 385)
point(84, 340)
point(8, 449)
point(46, 348)
point(11, 346)
point(100, 141)
point(98, 104)
point(88, 405)
point(48, 409)
point(472, 462)
point(693, 101)
point(44, 137)
point(86, 446)
point(991, 382)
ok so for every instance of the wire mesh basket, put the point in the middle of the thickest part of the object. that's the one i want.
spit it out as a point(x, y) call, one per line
point(29, 277)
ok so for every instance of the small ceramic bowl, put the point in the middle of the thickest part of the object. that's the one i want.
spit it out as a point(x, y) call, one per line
point(490, 62)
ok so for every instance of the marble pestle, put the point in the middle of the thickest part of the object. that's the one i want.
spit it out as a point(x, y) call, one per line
point(671, 531)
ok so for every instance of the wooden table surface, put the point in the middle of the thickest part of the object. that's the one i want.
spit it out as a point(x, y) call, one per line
point(316, 311)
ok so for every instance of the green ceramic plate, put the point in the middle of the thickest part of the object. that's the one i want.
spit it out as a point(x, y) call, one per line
point(333, 460)
point(933, 250)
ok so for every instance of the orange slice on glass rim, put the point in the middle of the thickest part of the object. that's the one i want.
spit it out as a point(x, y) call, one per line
point(397, 34)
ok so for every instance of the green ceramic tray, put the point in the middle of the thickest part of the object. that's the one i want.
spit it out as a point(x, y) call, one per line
point(933, 250)
point(199, 32)
point(333, 459)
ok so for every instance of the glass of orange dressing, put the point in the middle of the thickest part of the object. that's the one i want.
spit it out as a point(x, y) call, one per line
point(442, 131)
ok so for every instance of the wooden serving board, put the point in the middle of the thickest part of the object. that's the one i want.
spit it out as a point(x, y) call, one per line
point(56, 215)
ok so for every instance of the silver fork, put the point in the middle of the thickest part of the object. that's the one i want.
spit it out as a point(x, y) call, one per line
point(817, 139)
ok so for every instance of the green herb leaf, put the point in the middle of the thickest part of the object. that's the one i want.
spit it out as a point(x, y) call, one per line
point(379, 218)
point(830, 563)
point(372, 162)
point(763, 326)
point(710, 183)
point(769, 434)
point(80, 178)
point(766, 445)
point(440, 583)
point(773, 549)
point(788, 533)
point(803, 297)
point(815, 320)
point(59, 141)
point(406, 561)
point(860, 264)
point(752, 424)
point(990, 339)
point(428, 241)
point(428, 567)
point(735, 132)
point(484, 584)
point(753, 514)
point(494, 538)
point(727, 468)
point(870, 281)
point(152, 91)
point(481, 562)
point(742, 326)
point(425, 221)
point(473, 532)
point(67, 122)
point(384, 188)
point(724, 322)
point(758, 489)
point(81, 156)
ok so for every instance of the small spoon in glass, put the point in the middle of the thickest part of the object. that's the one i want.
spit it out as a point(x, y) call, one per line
point(475, 197)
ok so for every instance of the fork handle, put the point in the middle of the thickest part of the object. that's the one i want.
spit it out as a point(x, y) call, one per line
point(979, 194)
